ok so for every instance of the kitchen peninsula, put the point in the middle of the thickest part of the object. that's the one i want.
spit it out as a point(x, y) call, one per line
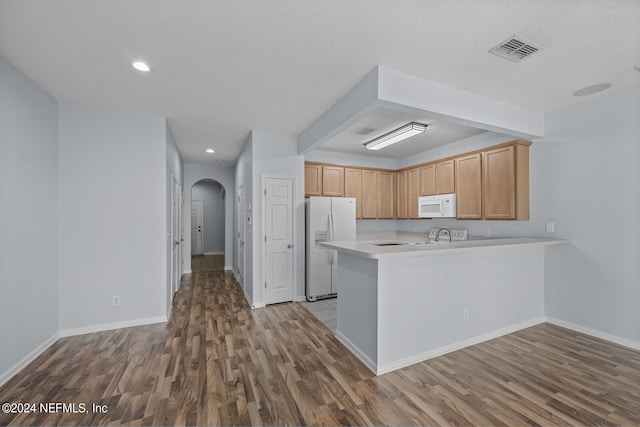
point(400, 303)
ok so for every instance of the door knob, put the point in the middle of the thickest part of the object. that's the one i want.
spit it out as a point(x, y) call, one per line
point(289, 246)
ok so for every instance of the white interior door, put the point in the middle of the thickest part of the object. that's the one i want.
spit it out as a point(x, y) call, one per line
point(278, 254)
point(196, 227)
point(241, 235)
point(176, 235)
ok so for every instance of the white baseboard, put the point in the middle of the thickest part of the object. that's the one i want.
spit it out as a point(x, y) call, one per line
point(109, 326)
point(6, 376)
point(300, 298)
point(356, 351)
point(186, 272)
point(410, 360)
point(594, 333)
point(401, 363)
point(213, 253)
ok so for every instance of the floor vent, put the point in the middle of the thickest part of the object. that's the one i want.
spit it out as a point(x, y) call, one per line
point(515, 49)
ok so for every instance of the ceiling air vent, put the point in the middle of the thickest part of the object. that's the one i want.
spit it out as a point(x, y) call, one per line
point(364, 131)
point(515, 49)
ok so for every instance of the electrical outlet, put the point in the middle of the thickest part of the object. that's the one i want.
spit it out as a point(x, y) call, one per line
point(487, 232)
point(550, 227)
point(465, 314)
point(116, 300)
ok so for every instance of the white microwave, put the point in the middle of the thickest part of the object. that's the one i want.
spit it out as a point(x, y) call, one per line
point(440, 206)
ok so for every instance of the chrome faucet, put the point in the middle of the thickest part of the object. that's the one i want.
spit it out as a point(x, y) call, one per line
point(448, 231)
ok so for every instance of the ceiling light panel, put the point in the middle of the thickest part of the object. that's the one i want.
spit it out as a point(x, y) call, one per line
point(397, 135)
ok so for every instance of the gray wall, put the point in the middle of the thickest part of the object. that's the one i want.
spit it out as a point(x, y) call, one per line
point(112, 216)
point(28, 217)
point(592, 159)
point(213, 206)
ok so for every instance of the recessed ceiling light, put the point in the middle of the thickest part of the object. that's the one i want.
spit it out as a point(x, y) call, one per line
point(210, 150)
point(219, 160)
point(141, 66)
point(590, 90)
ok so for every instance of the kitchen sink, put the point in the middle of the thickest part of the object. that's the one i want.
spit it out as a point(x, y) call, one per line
point(390, 244)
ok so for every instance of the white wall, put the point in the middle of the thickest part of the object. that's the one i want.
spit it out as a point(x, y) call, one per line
point(592, 159)
point(28, 218)
point(225, 176)
point(112, 216)
point(213, 206)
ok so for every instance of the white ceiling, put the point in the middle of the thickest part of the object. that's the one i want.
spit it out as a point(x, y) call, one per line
point(221, 68)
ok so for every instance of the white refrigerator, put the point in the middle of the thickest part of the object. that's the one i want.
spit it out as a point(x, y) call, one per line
point(327, 219)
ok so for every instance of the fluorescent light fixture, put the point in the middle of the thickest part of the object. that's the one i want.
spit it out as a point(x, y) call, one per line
point(141, 66)
point(400, 134)
point(210, 150)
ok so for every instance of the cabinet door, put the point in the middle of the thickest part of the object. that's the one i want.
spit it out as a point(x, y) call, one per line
point(468, 172)
point(369, 194)
point(445, 177)
point(428, 180)
point(353, 187)
point(386, 194)
point(312, 180)
point(413, 192)
point(499, 184)
point(401, 207)
point(332, 181)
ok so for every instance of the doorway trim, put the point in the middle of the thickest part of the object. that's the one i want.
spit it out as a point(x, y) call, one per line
point(294, 221)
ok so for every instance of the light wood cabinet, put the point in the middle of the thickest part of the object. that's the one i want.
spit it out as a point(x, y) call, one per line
point(427, 180)
point(333, 181)
point(505, 175)
point(413, 192)
point(312, 180)
point(401, 195)
point(491, 183)
point(369, 194)
point(386, 194)
point(445, 177)
point(468, 170)
point(437, 178)
point(353, 187)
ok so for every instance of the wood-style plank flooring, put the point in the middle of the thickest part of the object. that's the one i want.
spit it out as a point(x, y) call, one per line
point(217, 362)
point(204, 263)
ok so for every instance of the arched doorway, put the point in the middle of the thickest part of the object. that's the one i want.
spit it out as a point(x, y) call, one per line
point(208, 214)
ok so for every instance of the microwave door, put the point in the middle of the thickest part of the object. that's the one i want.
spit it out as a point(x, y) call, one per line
point(432, 209)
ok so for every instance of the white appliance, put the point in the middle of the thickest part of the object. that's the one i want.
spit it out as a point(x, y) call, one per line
point(440, 206)
point(327, 219)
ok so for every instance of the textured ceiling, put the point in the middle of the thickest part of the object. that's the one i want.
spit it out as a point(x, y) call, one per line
point(221, 68)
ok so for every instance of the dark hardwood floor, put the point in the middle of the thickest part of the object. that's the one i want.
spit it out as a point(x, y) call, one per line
point(217, 362)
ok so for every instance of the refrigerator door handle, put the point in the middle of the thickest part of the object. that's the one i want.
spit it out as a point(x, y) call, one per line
point(330, 219)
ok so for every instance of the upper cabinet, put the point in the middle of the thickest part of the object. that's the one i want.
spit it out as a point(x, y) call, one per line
point(369, 194)
point(445, 177)
point(353, 187)
point(333, 181)
point(386, 194)
point(469, 186)
point(505, 179)
point(312, 179)
point(437, 178)
point(401, 195)
point(491, 183)
point(413, 192)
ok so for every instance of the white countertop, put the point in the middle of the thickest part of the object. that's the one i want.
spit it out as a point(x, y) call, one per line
point(368, 249)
